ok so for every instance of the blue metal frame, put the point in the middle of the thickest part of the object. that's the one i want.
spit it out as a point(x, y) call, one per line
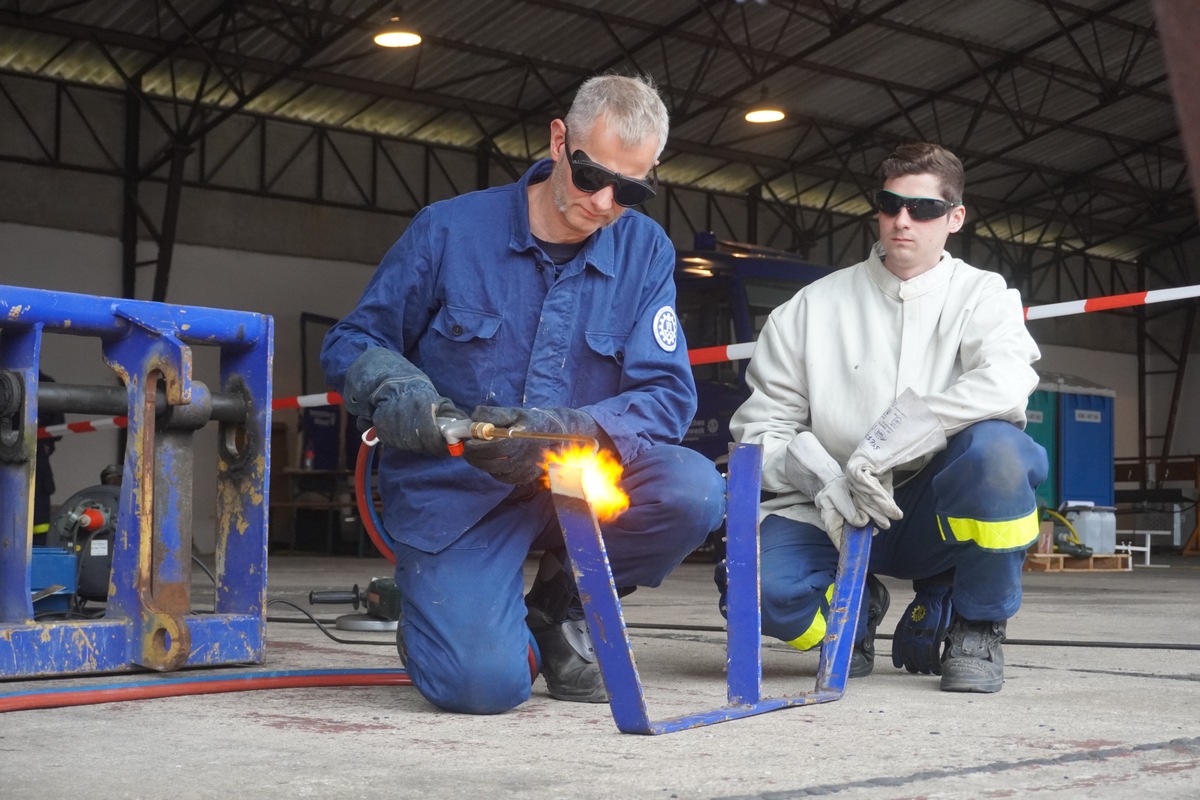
point(602, 609)
point(148, 621)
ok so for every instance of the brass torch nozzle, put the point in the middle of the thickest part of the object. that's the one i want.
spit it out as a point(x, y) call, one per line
point(520, 433)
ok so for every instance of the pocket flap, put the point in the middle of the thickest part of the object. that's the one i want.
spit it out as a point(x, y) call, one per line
point(460, 324)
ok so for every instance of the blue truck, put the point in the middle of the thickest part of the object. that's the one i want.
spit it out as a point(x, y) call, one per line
point(725, 292)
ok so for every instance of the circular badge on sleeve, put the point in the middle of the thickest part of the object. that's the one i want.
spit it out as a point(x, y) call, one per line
point(666, 329)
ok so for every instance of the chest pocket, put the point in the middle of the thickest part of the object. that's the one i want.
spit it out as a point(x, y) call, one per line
point(460, 354)
point(599, 373)
point(460, 324)
point(609, 346)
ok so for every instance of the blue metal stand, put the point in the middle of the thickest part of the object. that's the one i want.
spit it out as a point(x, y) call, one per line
point(148, 622)
point(602, 609)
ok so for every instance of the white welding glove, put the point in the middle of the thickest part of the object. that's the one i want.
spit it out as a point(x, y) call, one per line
point(811, 469)
point(907, 430)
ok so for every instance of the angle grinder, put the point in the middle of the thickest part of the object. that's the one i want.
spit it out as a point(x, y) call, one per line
point(381, 601)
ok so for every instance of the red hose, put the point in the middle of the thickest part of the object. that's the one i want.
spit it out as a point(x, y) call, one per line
point(366, 506)
point(208, 684)
point(366, 510)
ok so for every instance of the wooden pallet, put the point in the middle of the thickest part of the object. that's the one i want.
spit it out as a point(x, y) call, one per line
point(1060, 562)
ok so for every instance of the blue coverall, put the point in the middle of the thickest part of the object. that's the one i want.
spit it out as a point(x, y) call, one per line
point(469, 297)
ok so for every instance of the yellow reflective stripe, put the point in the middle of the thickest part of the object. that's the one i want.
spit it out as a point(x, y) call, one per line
point(816, 631)
point(1013, 534)
point(43, 528)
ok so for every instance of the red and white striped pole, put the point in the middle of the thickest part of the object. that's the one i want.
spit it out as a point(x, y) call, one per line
point(720, 354)
point(1112, 301)
point(307, 401)
point(303, 401)
point(736, 352)
point(725, 352)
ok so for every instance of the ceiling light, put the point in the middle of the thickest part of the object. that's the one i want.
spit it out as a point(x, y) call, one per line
point(764, 110)
point(396, 34)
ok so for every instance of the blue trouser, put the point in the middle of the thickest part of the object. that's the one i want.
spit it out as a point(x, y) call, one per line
point(972, 508)
point(463, 609)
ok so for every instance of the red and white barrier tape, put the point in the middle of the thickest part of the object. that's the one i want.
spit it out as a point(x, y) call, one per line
point(87, 426)
point(1111, 302)
point(736, 352)
point(715, 355)
point(307, 401)
point(303, 401)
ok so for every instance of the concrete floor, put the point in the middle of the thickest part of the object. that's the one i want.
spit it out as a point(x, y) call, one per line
point(1097, 721)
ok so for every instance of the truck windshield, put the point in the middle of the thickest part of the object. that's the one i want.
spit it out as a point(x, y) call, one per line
point(719, 310)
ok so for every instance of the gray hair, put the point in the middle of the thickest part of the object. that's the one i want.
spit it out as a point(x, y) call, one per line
point(630, 105)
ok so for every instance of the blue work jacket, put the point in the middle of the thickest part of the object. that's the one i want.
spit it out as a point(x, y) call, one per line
point(468, 296)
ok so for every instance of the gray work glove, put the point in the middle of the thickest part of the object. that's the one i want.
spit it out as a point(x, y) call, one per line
point(399, 400)
point(519, 461)
point(906, 431)
point(810, 468)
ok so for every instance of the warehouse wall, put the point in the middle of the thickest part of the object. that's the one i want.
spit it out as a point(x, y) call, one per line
point(1116, 371)
point(285, 286)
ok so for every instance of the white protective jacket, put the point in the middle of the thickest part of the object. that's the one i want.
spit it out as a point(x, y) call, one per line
point(835, 356)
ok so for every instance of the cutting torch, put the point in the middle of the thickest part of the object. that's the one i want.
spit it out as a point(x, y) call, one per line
point(456, 431)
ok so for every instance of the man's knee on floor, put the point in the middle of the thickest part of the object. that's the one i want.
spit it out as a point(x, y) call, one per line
point(487, 685)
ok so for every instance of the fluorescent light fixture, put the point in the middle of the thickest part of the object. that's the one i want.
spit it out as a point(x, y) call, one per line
point(761, 115)
point(764, 110)
point(397, 34)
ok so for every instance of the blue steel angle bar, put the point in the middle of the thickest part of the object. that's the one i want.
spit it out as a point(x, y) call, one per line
point(602, 608)
point(109, 317)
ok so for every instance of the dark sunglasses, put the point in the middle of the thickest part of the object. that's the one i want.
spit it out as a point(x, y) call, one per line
point(588, 176)
point(919, 208)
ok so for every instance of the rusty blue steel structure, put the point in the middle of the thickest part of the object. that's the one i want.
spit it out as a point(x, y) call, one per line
point(148, 621)
point(602, 609)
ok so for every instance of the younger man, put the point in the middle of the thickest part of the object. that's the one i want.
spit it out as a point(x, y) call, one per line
point(894, 392)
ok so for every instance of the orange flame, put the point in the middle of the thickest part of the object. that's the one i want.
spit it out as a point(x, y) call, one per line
point(600, 473)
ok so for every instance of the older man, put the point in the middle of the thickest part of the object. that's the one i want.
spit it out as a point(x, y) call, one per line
point(546, 304)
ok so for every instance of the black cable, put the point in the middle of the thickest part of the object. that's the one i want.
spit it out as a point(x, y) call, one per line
point(201, 565)
point(658, 627)
point(1017, 642)
point(1102, 645)
point(42, 616)
point(310, 618)
point(722, 629)
point(286, 620)
point(325, 630)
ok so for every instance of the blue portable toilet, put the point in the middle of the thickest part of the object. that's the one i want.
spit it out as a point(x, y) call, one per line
point(1085, 440)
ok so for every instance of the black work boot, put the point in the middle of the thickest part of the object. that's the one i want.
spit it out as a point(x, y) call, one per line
point(862, 660)
point(974, 659)
point(554, 615)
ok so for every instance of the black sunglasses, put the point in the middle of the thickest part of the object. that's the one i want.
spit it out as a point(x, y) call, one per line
point(919, 208)
point(588, 176)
